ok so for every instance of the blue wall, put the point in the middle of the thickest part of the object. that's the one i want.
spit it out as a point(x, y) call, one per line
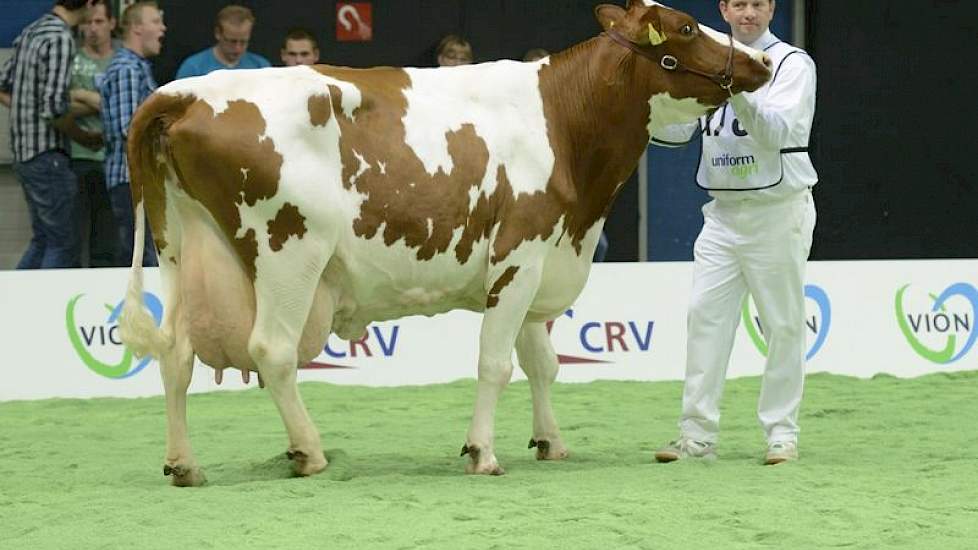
point(674, 199)
point(16, 15)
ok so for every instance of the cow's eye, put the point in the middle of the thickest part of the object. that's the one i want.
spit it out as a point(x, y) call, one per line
point(686, 30)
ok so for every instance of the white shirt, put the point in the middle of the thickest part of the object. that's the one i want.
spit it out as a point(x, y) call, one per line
point(778, 115)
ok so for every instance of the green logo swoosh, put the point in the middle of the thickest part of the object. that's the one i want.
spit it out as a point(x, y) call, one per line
point(755, 336)
point(937, 356)
point(110, 371)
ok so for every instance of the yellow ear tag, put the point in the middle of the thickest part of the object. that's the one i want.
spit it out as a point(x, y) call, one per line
point(656, 38)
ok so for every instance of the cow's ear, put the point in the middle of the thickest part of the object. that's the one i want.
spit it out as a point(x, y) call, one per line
point(653, 33)
point(609, 16)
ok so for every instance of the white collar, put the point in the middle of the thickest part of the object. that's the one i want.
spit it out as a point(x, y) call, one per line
point(764, 41)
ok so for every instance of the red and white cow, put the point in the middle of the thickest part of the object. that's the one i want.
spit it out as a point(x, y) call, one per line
point(290, 203)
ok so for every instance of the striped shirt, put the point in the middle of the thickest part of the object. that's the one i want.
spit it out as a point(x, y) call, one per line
point(37, 78)
point(128, 82)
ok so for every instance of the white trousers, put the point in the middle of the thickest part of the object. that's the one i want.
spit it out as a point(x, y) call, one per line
point(760, 247)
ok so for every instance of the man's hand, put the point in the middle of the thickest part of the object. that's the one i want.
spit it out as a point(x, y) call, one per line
point(67, 125)
point(79, 109)
point(5, 99)
point(90, 140)
point(88, 98)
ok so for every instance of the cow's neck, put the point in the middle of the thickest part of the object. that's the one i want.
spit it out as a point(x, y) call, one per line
point(596, 100)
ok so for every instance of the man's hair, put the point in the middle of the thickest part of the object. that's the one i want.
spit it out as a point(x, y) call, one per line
point(133, 14)
point(535, 53)
point(107, 4)
point(299, 33)
point(234, 15)
point(452, 40)
point(72, 5)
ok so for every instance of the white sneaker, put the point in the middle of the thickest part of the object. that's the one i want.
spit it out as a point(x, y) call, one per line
point(781, 451)
point(685, 447)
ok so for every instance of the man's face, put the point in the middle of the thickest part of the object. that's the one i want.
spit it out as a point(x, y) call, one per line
point(455, 55)
point(748, 18)
point(151, 31)
point(299, 52)
point(97, 27)
point(232, 40)
point(85, 11)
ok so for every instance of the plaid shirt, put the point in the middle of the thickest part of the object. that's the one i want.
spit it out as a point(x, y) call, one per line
point(37, 78)
point(128, 82)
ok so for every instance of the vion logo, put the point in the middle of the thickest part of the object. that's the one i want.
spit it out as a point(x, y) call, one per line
point(94, 333)
point(939, 328)
point(818, 321)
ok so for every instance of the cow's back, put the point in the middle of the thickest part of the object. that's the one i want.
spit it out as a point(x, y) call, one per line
point(410, 176)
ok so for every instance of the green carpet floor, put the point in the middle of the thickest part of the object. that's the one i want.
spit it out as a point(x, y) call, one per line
point(886, 463)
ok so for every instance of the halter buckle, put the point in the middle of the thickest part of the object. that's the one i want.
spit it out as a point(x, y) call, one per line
point(669, 63)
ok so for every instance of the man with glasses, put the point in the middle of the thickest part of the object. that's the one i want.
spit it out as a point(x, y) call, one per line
point(232, 32)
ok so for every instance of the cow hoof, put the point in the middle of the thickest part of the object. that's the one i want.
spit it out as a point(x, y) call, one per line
point(305, 465)
point(548, 450)
point(184, 476)
point(491, 468)
point(480, 463)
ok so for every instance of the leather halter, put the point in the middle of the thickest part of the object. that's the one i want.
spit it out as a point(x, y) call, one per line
point(668, 62)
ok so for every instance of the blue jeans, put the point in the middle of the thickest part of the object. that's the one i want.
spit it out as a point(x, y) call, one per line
point(51, 190)
point(99, 237)
point(121, 200)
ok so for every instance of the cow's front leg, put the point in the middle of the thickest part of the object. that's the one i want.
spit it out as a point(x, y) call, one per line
point(539, 361)
point(510, 291)
point(494, 374)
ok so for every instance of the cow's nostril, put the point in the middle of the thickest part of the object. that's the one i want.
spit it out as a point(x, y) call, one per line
point(766, 59)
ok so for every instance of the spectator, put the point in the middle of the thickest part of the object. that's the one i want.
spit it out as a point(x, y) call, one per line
point(96, 225)
point(128, 82)
point(34, 84)
point(299, 48)
point(233, 33)
point(535, 54)
point(453, 50)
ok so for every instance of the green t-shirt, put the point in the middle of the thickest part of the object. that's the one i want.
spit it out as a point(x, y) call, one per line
point(85, 71)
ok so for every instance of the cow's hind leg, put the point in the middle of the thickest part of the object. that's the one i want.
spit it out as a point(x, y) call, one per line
point(283, 302)
point(176, 368)
point(539, 361)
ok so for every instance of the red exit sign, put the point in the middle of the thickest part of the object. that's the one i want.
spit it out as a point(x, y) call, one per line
point(354, 22)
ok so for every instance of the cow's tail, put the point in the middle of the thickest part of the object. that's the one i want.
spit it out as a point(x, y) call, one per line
point(147, 171)
point(136, 326)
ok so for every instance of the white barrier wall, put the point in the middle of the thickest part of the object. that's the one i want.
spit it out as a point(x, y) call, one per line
point(905, 318)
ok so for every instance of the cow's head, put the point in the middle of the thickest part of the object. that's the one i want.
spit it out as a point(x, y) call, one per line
point(687, 59)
